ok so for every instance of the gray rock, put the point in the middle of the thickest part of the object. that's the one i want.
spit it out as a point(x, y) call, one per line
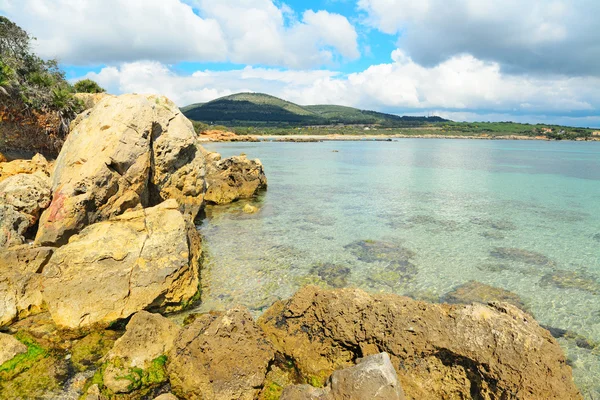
point(374, 377)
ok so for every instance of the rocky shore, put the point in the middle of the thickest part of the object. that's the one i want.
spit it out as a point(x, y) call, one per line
point(98, 247)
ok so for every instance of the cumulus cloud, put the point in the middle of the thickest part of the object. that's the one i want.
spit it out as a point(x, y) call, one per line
point(241, 31)
point(547, 36)
point(462, 85)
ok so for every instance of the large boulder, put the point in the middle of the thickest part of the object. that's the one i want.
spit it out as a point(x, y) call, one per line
point(20, 281)
point(145, 259)
point(37, 164)
point(126, 152)
point(22, 199)
point(233, 178)
point(140, 352)
point(220, 356)
point(439, 350)
point(477, 292)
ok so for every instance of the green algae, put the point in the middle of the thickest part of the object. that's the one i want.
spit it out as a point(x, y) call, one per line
point(89, 350)
point(23, 361)
point(271, 391)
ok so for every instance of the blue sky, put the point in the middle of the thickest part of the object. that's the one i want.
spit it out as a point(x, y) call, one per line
point(521, 60)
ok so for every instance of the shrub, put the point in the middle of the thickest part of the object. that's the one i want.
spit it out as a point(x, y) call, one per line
point(88, 86)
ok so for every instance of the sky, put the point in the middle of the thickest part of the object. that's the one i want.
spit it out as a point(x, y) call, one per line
point(467, 60)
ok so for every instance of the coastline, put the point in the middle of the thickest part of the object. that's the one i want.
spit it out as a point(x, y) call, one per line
point(382, 138)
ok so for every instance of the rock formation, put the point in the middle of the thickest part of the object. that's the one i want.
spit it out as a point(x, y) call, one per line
point(126, 152)
point(220, 356)
point(233, 178)
point(37, 164)
point(439, 350)
point(22, 199)
point(146, 259)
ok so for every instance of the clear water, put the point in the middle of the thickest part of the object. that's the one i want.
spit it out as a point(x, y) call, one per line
point(519, 215)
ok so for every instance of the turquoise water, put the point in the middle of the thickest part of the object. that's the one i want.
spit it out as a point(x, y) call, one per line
point(520, 215)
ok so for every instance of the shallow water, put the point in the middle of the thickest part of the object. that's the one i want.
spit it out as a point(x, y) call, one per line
point(420, 217)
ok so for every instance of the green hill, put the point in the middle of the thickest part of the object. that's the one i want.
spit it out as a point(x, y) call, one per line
point(244, 109)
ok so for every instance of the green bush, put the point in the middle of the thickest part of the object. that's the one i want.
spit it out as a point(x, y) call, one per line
point(88, 86)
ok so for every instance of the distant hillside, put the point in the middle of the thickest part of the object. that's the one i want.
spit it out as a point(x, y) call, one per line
point(261, 109)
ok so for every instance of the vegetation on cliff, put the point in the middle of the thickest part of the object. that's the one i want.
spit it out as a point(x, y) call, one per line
point(37, 101)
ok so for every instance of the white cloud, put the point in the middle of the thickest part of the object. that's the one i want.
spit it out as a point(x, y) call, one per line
point(105, 31)
point(241, 31)
point(555, 36)
point(462, 84)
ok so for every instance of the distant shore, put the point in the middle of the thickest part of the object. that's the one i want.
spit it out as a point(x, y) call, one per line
point(372, 137)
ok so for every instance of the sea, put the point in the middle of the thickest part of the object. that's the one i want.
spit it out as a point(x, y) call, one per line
point(422, 218)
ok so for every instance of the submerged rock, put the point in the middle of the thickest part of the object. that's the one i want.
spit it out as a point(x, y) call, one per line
point(233, 178)
point(499, 225)
point(396, 259)
point(220, 356)
point(572, 280)
point(127, 152)
point(145, 259)
point(20, 281)
point(22, 199)
point(441, 351)
point(596, 237)
point(334, 275)
point(522, 256)
point(477, 292)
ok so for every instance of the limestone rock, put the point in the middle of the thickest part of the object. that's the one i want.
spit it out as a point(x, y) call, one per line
point(374, 377)
point(148, 337)
point(145, 259)
point(305, 392)
point(126, 152)
point(439, 350)
point(220, 356)
point(233, 178)
point(37, 164)
point(3, 158)
point(477, 292)
point(90, 100)
point(22, 199)
point(20, 281)
point(166, 396)
point(10, 347)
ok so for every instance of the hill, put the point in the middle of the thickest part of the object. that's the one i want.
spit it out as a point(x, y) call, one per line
point(260, 109)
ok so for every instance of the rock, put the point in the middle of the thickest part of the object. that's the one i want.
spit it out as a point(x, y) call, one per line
point(572, 280)
point(10, 347)
point(477, 292)
point(166, 396)
point(333, 274)
point(233, 178)
point(439, 350)
point(37, 164)
point(22, 199)
point(89, 100)
point(250, 209)
point(20, 281)
point(3, 158)
point(225, 136)
point(522, 256)
point(146, 259)
point(305, 392)
point(125, 153)
point(148, 338)
point(374, 377)
point(87, 352)
point(220, 356)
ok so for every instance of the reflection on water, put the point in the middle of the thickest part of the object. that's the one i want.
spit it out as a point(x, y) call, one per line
point(420, 218)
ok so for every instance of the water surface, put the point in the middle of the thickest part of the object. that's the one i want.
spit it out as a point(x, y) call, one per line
point(420, 217)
